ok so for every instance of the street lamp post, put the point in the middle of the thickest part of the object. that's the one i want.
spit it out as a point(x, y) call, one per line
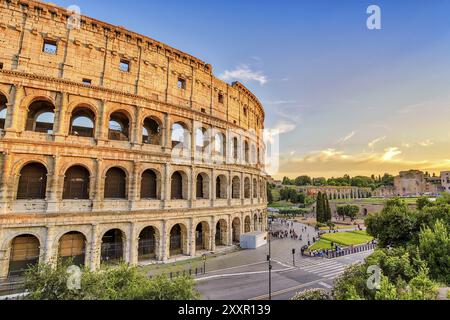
point(269, 258)
point(204, 264)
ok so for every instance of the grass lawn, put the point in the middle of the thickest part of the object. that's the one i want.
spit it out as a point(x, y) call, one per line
point(337, 227)
point(341, 238)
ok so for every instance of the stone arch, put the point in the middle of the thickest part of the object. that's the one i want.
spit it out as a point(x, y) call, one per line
point(201, 139)
point(255, 188)
point(76, 183)
point(83, 121)
point(24, 252)
point(180, 135)
point(202, 236)
point(246, 152)
point(178, 240)
point(220, 145)
point(119, 125)
point(202, 186)
point(247, 188)
point(221, 236)
point(32, 181)
point(41, 116)
point(116, 183)
point(236, 230)
point(221, 187)
point(152, 130)
point(148, 243)
point(247, 224)
point(236, 187)
point(150, 184)
point(113, 244)
point(72, 245)
point(179, 185)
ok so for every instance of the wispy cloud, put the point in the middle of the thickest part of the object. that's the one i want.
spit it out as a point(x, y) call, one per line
point(284, 127)
point(244, 73)
point(426, 143)
point(391, 153)
point(375, 141)
point(347, 137)
point(279, 102)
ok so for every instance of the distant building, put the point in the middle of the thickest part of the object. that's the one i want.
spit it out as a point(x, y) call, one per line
point(445, 181)
point(410, 183)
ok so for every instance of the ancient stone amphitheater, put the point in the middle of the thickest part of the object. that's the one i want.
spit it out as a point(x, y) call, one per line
point(115, 146)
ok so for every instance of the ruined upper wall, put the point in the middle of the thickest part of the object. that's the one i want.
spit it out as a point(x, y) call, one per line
point(94, 52)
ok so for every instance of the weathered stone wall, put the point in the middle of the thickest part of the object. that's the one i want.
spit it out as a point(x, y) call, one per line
point(148, 90)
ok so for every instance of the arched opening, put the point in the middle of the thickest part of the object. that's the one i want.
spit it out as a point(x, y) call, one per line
point(253, 155)
point(112, 246)
point(41, 117)
point(247, 188)
point(32, 182)
point(24, 254)
point(3, 111)
point(236, 230)
point(72, 246)
point(119, 127)
point(200, 140)
point(151, 132)
point(255, 188)
point(147, 244)
point(82, 122)
point(177, 186)
point(76, 183)
point(235, 149)
point(246, 152)
point(177, 241)
point(180, 136)
point(236, 188)
point(220, 145)
point(221, 233)
point(221, 187)
point(149, 185)
point(202, 236)
point(115, 184)
point(255, 223)
point(247, 224)
point(366, 212)
point(202, 186)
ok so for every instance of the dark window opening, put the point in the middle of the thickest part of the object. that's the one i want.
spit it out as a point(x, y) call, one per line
point(177, 186)
point(1, 65)
point(112, 247)
point(115, 184)
point(147, 244)
point(87, 81)
point(76, 183)
point(32, 182)
point(72, 246)
point(148, 185)
point(3, 111)
point(220, 98)
point(236, 188)
point(24, 254)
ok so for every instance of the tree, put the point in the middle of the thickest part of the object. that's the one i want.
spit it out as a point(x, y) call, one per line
point(348, 210)
point(394, 225)
point(422, 202)
point(303, 181)
point(328, 215)
point(47, 282)
point(434, 247)
point(313, 294)
point(269, 193)
point(320, 208)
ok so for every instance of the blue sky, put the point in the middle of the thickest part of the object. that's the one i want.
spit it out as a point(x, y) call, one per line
point(348, 99)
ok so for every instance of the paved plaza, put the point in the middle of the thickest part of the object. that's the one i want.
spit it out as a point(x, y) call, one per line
point(244, 274)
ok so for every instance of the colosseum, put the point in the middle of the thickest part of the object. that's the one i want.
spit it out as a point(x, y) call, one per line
point(115, 146)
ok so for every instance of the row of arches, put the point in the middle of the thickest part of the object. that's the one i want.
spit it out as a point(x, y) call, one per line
point(77, 180)
point(83, 123)
point(25, 249)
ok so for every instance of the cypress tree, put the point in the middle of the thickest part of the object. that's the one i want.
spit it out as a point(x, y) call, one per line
point(319, 208)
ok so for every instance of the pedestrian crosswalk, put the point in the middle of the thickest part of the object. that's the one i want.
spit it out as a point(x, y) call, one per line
point(325, 268)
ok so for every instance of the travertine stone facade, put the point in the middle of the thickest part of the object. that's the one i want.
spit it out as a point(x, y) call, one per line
point(51, 77)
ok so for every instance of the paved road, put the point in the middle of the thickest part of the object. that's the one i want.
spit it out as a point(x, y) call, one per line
point(243, 275)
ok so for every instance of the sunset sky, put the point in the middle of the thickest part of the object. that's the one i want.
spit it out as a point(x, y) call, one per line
point(347, 99)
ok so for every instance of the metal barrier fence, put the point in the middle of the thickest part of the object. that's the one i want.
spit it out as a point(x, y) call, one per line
point(350, 250)
point(10, 286)
point(185, 273)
